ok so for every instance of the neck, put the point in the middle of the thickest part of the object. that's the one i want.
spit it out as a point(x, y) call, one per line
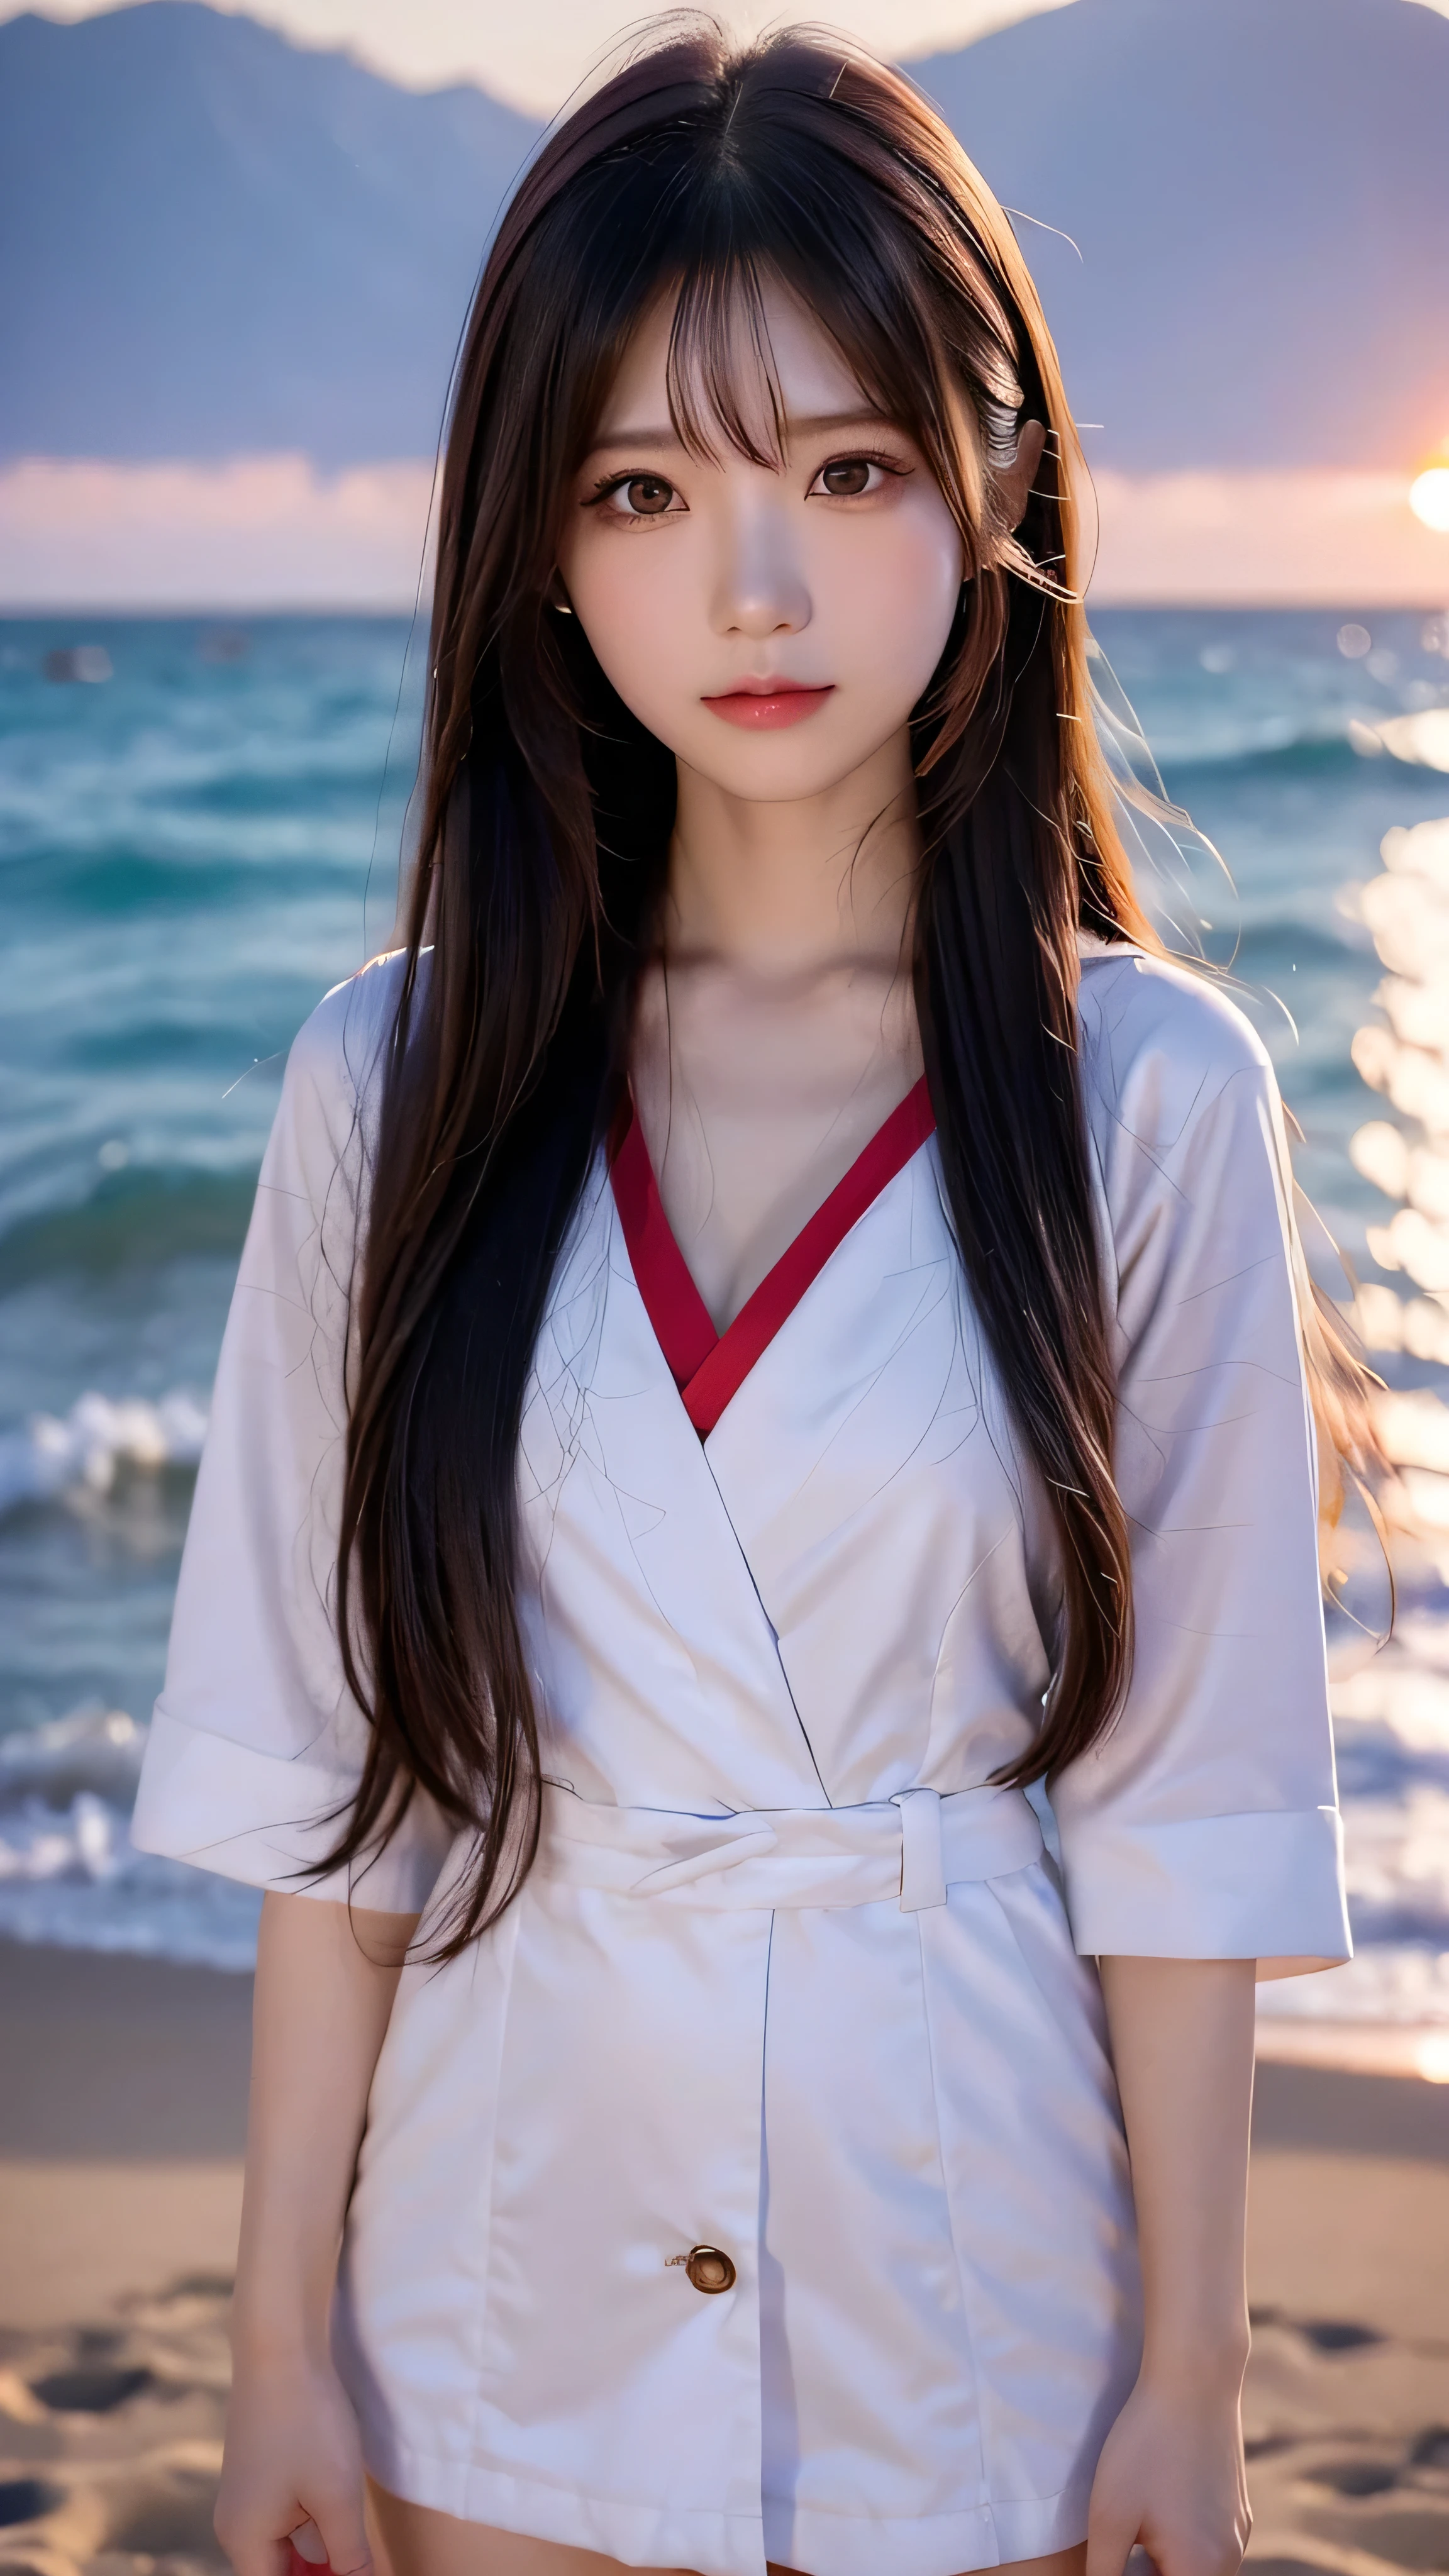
point(782, 888)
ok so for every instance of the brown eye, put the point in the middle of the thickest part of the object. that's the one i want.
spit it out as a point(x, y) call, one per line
point(649, 495)
point(846, 476)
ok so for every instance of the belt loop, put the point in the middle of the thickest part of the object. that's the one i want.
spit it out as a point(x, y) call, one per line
point(923, 1864)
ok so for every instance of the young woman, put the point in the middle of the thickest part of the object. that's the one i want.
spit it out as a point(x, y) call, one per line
point(771, 1327)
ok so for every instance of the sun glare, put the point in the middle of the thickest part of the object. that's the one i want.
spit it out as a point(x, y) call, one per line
point(1429, 498)
point(1434, 2057)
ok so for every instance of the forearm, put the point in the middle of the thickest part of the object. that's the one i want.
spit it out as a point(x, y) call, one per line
point(326, 1978)
point(1182, 2040)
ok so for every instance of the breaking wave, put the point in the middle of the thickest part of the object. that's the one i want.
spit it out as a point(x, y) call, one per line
point(68, 1872)
point(97, 1442)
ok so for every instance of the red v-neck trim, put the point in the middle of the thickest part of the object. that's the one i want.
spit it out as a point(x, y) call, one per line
point(709, 1367)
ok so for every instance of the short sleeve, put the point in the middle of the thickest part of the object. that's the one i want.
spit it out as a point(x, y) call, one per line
point(1205, 1822)
point(256, 1746)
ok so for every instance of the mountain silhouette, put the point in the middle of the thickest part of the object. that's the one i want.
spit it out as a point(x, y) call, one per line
point(214, 242)
point(1259, 191)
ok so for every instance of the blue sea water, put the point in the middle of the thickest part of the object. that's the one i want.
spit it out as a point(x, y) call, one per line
point(195, 847)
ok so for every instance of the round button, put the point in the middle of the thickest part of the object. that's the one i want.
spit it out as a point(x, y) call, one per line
point(710, 2270)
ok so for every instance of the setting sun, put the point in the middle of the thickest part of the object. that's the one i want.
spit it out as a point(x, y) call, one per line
point(1429, 497)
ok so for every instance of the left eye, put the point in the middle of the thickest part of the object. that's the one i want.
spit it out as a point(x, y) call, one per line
point(845, 477)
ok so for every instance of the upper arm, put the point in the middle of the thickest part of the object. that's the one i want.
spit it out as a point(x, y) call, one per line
point(1204, 1823)
point(257, 1744)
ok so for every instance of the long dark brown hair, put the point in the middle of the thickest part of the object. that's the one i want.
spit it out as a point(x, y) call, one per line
point(705, 174)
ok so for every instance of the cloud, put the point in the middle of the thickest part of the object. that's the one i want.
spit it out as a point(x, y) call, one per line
point(273, 532)
point(257, 532)
point(1265, 540)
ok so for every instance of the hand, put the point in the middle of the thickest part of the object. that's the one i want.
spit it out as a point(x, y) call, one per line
point(1171, 2480)
point(293, 2455)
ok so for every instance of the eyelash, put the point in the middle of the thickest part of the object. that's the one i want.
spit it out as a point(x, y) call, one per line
point(891, 465)
point(611, 483)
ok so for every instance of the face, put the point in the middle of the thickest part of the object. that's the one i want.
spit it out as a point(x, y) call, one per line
point(773, 625)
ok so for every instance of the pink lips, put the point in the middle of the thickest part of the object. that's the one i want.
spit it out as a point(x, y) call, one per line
point(762, 706)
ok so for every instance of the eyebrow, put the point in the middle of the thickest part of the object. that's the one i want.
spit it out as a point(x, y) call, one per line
point(808, 424)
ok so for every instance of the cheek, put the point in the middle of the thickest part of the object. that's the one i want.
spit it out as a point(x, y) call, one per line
point(904, 591)
point(630, 595)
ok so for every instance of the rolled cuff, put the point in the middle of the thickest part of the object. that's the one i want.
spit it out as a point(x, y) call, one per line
point(220, 1805)
point(1266, 1886)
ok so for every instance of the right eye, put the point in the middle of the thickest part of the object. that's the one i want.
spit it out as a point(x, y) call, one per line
point(642, 496)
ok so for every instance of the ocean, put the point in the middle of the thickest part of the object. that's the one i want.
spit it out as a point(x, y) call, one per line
point(199, 826)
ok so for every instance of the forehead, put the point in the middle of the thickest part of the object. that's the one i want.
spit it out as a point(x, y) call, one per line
point(811, 375)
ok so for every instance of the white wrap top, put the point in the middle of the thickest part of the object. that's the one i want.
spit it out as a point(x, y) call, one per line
point(790, 1980)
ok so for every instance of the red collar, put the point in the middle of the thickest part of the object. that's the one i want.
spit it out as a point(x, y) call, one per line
point(709, 1367)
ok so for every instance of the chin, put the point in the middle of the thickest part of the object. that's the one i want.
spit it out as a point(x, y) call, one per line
point(803, 760)
point(759, 782)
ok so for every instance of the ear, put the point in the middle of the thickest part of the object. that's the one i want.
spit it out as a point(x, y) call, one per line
point(1016, 482)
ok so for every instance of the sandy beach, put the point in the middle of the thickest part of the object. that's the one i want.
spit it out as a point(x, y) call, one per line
point(122, 2116)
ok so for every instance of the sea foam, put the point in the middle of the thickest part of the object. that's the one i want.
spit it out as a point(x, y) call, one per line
point(69, 1872)
point(90, 1446)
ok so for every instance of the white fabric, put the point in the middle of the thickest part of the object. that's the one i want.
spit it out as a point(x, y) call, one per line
point(255, 1741)
point(912, 1847)
point(789, 1978)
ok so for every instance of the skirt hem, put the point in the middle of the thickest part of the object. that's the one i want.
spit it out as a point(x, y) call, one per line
point(700, 2540)
point(948, 2544)
point(709, 2542)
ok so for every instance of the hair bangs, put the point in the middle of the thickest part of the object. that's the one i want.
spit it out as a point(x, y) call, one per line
point(714, 212)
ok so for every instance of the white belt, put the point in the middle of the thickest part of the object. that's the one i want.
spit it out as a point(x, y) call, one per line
point(912, 1847)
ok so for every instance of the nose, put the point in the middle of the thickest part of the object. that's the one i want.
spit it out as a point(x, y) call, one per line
point(760, 586)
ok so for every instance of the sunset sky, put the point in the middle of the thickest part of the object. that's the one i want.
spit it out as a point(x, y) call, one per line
point(277, 529)
point(533, 56)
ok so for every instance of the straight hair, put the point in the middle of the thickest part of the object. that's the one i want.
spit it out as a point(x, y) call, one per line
point(705, 175)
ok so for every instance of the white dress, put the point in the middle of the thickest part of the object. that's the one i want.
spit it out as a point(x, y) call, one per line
point(789, 1980)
